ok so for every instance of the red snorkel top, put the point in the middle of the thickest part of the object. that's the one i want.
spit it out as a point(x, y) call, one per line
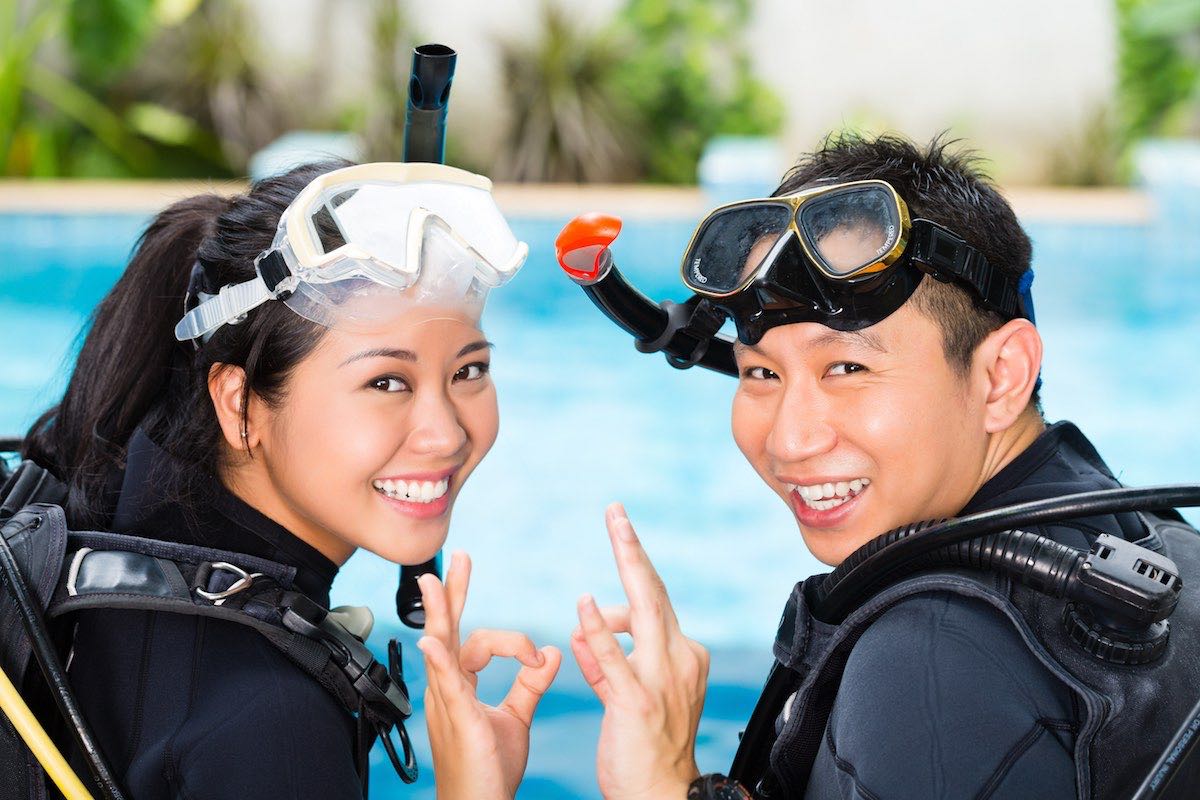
point(582, 246)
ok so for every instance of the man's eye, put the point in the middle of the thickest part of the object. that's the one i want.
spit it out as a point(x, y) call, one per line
point(472, 372)
point(845, 368)
point(389, 383)
point(758, 374)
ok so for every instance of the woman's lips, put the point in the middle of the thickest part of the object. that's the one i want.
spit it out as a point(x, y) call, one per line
point(417, 510)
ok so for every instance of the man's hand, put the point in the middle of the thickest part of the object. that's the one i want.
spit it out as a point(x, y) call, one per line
point(652, 698)
point(479, 751)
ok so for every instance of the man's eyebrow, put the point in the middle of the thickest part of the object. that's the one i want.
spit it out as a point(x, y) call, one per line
point(862, 336)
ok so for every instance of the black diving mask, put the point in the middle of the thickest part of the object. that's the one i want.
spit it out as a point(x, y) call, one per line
point(845, 255)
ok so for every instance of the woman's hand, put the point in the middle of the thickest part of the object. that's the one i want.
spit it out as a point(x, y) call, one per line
point(479, 751)
point(652, 698)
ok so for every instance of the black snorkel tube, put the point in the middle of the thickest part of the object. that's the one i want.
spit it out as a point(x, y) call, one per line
point(425, 140)
point(686, 333)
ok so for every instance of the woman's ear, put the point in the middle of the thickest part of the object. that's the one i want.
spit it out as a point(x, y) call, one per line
point(1011, 359)
point(226, 387)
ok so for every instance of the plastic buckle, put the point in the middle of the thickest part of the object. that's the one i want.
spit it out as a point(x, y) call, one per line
point(946, 251)
point(244, 581)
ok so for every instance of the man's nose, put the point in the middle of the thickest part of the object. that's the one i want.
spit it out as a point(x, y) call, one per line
point(802, 428)
point(437, 429)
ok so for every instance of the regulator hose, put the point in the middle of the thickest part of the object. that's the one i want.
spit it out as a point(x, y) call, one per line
point(986, 540)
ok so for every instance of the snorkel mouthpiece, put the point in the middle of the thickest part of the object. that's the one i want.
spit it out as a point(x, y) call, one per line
point(582, 247)
point(428, 102)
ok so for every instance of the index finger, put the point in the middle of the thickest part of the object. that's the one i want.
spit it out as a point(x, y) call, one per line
point(645, 589)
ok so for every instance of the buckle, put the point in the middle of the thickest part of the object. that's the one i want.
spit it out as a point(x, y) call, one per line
point(244, 581)
point(945, 250)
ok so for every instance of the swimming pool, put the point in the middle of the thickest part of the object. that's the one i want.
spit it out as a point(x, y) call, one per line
point(587, 420)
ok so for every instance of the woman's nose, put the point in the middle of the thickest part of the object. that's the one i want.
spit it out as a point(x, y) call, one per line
point(437, 429)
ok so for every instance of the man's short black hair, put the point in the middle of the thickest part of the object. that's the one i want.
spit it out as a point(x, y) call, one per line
point(945, 187)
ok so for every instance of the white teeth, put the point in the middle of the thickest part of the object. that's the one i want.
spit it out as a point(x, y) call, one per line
point(824, 496)
point(413, 491)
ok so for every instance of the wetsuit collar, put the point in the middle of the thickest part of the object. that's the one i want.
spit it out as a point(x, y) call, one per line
point(221, 520)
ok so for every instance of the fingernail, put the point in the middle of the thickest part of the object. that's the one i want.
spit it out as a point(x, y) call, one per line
point(421, 643)
point(541, 659)
point(625, 530)
point(587, 601)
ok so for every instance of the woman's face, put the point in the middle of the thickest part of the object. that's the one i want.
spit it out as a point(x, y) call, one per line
point(375, 436)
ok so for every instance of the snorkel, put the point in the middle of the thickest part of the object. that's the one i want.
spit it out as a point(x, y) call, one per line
point(686, 333)
point(424, 140)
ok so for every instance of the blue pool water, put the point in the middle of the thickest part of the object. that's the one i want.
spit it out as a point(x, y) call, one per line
point(586, 420)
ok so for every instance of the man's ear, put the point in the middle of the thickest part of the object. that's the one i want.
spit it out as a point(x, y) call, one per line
point(226, 385)
point(1009, 359)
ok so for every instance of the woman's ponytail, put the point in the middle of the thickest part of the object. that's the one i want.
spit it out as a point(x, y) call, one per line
point(126, 360)
point(132, 372)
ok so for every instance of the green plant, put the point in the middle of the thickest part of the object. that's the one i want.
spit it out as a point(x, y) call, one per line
point(686, 72)
point(61, 117)
point(567, 121)
point(1159, 67)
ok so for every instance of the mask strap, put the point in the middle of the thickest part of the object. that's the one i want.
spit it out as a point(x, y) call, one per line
point(228, 306)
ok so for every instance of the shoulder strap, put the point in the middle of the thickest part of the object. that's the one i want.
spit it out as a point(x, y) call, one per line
point(107, 570)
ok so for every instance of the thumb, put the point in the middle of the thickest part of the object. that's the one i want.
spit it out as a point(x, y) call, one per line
point(530, 686)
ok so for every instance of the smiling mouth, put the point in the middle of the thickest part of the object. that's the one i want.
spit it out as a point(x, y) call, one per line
point(828, 496)
point(413, 491)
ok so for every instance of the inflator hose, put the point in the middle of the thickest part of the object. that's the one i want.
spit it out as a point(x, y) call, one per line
point(949, 543)
point(39, 743)
point(47, 659)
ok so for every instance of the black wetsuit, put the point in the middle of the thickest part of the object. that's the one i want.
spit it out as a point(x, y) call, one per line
point(189, 707)
point(941, 697)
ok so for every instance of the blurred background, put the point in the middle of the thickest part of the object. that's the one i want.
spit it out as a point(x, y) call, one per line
point(1087, 112)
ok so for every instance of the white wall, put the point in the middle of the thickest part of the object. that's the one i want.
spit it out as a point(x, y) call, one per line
point(1017, 76)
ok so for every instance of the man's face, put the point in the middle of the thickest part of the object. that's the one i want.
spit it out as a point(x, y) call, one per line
point(860, 432)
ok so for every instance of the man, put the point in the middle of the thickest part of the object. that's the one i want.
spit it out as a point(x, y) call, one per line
point(888, 370)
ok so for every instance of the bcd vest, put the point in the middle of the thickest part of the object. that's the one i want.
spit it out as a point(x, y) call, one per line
point(1130, 713)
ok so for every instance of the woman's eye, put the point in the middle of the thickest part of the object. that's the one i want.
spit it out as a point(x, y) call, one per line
point(472, 372)
point(389, 383)
point(758, 374)
point(845, 368)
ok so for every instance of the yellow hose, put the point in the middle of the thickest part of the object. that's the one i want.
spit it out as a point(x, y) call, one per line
point(36, 739)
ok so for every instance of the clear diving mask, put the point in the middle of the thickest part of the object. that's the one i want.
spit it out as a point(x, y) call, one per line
point(362, 243)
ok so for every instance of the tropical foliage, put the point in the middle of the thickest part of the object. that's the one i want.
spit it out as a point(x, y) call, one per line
point(1159, 69)
point(637, 98)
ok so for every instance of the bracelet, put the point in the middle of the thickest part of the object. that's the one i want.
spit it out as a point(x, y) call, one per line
point(716, 786)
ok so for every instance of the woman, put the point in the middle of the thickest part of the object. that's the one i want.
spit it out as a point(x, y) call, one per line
point(326, 389)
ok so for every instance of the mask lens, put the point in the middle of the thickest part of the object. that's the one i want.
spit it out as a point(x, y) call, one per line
point(850, 229)
point(731, 244)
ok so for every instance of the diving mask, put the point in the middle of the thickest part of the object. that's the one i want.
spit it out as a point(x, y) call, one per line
point(360, 243)
point(834, 254)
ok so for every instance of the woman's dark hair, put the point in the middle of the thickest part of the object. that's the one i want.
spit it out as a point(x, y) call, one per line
point(132, 372)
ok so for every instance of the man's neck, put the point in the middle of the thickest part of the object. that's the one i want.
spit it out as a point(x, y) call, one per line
point(1010, 443)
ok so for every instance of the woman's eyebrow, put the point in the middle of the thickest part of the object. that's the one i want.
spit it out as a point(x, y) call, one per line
point(381, 352)
point(474, 347)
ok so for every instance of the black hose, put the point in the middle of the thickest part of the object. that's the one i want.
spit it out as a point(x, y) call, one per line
point(428, 102)
point(924, 544)
point(48, 661)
